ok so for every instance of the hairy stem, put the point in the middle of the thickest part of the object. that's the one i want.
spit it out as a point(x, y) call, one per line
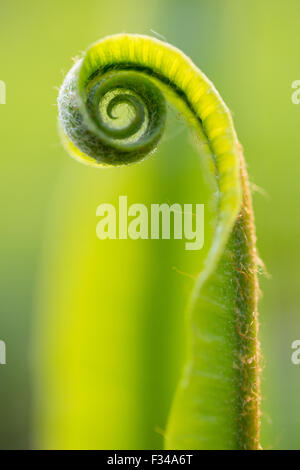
point(111, 112)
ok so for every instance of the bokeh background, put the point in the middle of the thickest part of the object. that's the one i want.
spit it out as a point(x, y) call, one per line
point(94, 331)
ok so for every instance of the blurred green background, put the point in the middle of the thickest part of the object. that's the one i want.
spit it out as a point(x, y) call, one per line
point(95, 331)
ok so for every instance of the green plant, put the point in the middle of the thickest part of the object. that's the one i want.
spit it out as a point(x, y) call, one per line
point(216, 405)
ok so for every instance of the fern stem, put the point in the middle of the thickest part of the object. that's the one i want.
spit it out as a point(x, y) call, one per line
point(216, 404)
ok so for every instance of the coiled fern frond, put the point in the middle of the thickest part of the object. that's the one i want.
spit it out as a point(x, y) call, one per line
point(112, 111)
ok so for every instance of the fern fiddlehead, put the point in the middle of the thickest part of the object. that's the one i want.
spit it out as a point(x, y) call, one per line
point(112, 111)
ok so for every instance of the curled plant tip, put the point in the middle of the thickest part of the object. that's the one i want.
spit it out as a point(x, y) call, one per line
point(110, 115)
point(112, 111)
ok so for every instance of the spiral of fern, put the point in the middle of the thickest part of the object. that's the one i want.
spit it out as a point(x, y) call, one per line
point(112, 111)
